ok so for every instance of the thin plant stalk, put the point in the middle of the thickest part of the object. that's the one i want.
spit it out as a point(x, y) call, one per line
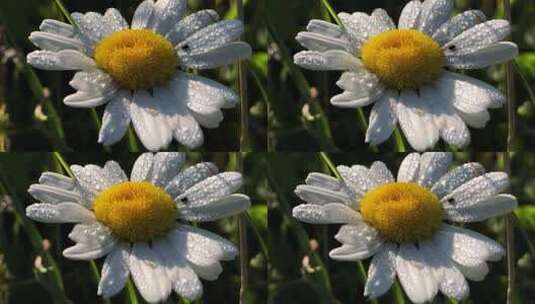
point(511, 128)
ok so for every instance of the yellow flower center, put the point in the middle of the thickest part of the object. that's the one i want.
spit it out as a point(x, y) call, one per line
point(403, 59)
point(137, 59)
point(135, 211)
point(402, 212)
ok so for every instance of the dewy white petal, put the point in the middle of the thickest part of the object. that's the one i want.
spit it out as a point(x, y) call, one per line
point(203, 91)
point(332, 60)
point(195, 241)
point(381, 22)
point(457, 25)
point(321, 196)
point(454, 130)
point(57, 27)
point(357, 252)
point(491, 207)
point(414, 275)
point(476, 190)
point(114, 271)
point(211, 189)
point(358, 26)
point(191, 24)
point(91, 178)
point(475, 120)
point(93, 233)
point(189, 177)
point(357, 176)
point(382, 120)
point(166, 14)
point(325, 28)
point(211, 37)
point(379, 174)
point(115, 21)
point(206, 116)
point(475, 272)
point(333, 213)
point(66, 212)
point(57, 181)
point(359, 235)
point(63, 60)
point(322, 43)
point(94, 81)
point(82, 99)
point(165, 166)
point(116, 119)
point(361, 89)
point(92, 28)
point(148, 121)
point(478, 37)
point(451, 281)
point(324, 181)
point(229, 53)
point(381, 272)
point(141, 171)
point(433, 165)
point(433, 14)
point(494, 54)
point(456, 177)
point(143, 15)
point(224, 207)
point(52, 195)
point(86, 252)
point(409, 15)
point(55, 42)
point(206, 268)
point(417, 123)
point(409, 168)
point(113, 172)
point(148, 273)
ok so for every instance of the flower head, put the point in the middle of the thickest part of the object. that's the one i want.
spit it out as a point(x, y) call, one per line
point(404, 224)
point(407, 72)
point(140, 71)
point(133, 222)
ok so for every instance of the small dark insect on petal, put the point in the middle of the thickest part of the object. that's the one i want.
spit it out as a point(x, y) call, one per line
point(184, 199)
point(451, 200)
point(452, 47)
point(185, 47)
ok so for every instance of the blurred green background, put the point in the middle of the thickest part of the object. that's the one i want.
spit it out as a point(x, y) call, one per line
point(33, 116)
point(302, 119)
point(301, 271)
point(28, 250)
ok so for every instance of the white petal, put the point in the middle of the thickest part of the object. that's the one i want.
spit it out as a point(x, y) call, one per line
point(52, 195)
point(115, 20)
point(60, 213)
point(476, 190)
point(199, 242)
point(454, 130)
point(143, 15)
point(82, 99)
point(91, 26)
point(91, 178)
point(358, 25)
point(166, 165)
point(451, 281)
point(478, 37)
point(211, 189)
point(494, 206)
point(433, 14)
point(322, 43)
point(57, 181)
point(332, 213)
point(211, 37)
point(166, 14)
point(409, 15)
point(189, 177)
point(356, 176)
point(229, 53)
point(457, 25)
point(361, 89)
point(115, 120)
point(381, 272)
point(57, 27)
point(494, 54)
point(224, 207)
point(206, 116)
point(433, 165)
point(456, 177)
point(191, 24)
point(322, 181)
point(414, 275)
point(148, 274)
point(382, 120)
point(325, 28)
point(141, 171)
point(381, 22)
point(151, 127)
point(55, 42)
point(356, 252)
point(114, 173)
point(321, 196)
point(358, 235)
point(468, 94)
point(63, 60)
point(193, 89)
point(95, 81)
point(93, 233)
point(85, 252)
point(475, 120)
point(114, 271)
point(331, 60)
point(474, 272)
point(379, 174)
point(409, 168)
point(417, 123)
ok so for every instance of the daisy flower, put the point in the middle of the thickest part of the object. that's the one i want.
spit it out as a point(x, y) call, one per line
point(133, 222)
point(140, 71)
point(406, 225)
point(408, 72)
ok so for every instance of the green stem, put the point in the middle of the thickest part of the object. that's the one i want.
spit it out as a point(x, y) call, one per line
point(131, 292)
point(331, 11)
point(65, 12)
point(525, 82)
point(59, 158)
point(400, 145)
point(324, 158)
point(398, 293)
point(258, 236)
point(132, 142)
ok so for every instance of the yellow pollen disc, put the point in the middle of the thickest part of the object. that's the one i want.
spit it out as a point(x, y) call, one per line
point(403, 59)
point(135, 211)
point(402, 212)
point(137, 59)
